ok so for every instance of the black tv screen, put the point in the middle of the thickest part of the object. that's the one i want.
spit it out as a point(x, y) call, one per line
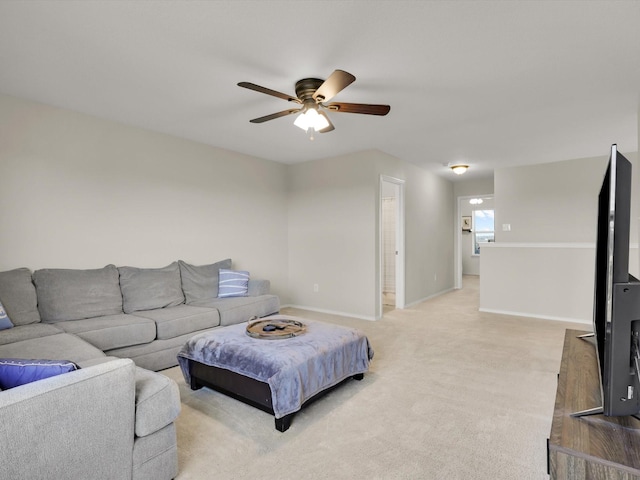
point(616, 293)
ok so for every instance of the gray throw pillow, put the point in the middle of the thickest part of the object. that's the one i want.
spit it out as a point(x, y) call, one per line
point(18, 296)
point(70, 294)
point(200, 283)
point(150, 288)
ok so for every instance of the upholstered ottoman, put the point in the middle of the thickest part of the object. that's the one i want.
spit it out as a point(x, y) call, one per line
point(277, 376)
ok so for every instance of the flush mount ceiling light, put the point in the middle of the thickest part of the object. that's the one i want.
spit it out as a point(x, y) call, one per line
point(475, 201)
point(459, 168)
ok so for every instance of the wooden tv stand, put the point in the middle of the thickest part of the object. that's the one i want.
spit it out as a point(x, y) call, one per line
point(591, 447)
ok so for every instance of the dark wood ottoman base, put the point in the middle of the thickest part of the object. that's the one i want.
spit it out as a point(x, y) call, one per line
point(246, 389)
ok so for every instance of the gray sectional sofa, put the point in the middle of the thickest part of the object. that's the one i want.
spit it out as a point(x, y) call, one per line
point(114, 417)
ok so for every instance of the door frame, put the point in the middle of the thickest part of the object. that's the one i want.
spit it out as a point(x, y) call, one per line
point(400, 243)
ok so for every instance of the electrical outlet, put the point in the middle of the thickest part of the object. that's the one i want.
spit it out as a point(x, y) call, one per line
point(435, 277)
point(316, 288)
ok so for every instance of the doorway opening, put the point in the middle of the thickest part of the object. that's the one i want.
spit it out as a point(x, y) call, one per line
point(389, 250)
point(391, 282)
point(469, 237)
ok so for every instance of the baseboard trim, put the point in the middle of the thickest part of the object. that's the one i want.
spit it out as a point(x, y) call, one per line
point(437, 294)
point(330, 312)
point(363, 317)
point(533, 315)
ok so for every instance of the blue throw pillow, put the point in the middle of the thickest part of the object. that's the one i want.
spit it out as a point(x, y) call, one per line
point(233, 283)
point(18, 371)
point(5, 321)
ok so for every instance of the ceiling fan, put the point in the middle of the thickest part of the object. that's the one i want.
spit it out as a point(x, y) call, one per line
point(312, 95)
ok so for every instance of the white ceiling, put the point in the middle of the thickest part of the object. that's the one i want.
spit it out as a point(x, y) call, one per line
point(491, 84)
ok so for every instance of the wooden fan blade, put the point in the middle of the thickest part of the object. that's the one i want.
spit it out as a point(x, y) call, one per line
point(275, 115)
point(336, 82)
point(364, 108)
point(329, 127)
point(268, 91)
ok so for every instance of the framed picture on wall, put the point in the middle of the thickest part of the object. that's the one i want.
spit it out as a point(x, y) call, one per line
point(466, 224)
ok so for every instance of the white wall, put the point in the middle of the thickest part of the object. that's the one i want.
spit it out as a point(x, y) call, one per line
point(80, 192)
point(544, 266)
point(475, 187)
point(554, 202)
point(429, 228)
point(545, 280)
point(334, 236)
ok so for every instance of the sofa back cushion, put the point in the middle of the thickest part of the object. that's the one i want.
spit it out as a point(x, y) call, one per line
point(18, 296)
point(67, 294)
point(150, 288)
point(200, 283)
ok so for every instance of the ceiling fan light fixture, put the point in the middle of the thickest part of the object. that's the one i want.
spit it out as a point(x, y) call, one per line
point(311, 93)
point(311, 119)
point(459, 169)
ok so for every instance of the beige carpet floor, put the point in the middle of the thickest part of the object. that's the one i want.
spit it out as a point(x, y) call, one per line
point(452, 393)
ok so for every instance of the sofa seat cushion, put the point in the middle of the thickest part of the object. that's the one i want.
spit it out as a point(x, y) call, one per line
point(96, 361)
point(26, 332)
point(113, 331)
point(157, 355)
point(18, 296)
point(175, 321)
point(69, 294)
point(157, 402)
point(52, 347)
point(240, 309)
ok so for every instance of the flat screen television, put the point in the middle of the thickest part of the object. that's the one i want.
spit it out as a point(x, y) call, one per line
point(616, 309)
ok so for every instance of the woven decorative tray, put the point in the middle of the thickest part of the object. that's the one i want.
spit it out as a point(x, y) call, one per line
point(275, 328)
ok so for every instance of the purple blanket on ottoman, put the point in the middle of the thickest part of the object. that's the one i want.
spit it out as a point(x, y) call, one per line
point(295, 368)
